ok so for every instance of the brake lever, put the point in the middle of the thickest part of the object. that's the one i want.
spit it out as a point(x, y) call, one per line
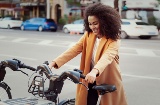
point(23, 72)
point(79, 83)
point(84, 85)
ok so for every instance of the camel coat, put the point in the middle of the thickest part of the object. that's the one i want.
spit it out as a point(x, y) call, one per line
point(106, 61)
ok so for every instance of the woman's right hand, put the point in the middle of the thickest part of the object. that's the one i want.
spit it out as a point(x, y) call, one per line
point(52, 64)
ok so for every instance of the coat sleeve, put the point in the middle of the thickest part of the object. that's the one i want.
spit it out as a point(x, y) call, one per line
point(70, 53)
point(108, 56)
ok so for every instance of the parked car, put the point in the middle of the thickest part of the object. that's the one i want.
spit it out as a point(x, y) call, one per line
point(10, 22)
point(76, 26)
point(137, 28)
point(1, 18)
point(39, 24)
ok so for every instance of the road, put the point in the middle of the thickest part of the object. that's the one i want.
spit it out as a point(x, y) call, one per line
point(139, 62)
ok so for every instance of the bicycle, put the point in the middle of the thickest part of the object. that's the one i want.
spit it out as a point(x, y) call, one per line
point(56, 84)
point(5, 90)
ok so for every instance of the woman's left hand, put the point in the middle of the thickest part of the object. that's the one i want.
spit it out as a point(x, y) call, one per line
point(91, 77)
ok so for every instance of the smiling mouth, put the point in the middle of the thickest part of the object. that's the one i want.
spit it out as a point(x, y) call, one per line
point(95, 31)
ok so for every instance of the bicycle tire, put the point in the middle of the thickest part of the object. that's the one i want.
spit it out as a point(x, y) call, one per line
point(69, 102)
point(6, 89)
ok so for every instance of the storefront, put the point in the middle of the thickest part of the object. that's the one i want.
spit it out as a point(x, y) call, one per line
point(35, 8)
point(38, 8)
point(6, 9)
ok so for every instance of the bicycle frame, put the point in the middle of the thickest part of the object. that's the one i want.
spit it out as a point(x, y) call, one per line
point(55, 85)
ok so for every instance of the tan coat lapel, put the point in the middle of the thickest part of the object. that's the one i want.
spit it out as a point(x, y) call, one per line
point(100, 47)
point(90, 45)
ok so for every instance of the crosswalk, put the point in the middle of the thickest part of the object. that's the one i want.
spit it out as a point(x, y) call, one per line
point(140, 52)
point(59, 43)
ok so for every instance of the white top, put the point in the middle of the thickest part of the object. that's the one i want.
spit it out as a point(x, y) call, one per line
point(96, 44)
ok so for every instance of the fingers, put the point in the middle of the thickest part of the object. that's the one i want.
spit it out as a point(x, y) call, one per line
point(52, 64)
point(90, 77)
point(90, 80)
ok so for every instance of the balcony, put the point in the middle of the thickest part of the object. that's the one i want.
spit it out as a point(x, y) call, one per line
point(33, 1)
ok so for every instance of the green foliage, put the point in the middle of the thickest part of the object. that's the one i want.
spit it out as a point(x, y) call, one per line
point(154, 21)
point(8, 16)
point(73, 2)
point(62, 21)
point(25, 17)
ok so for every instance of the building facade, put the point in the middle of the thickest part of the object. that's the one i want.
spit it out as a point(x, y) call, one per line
point(39, 8)
point(139, 9)
point(7, 7)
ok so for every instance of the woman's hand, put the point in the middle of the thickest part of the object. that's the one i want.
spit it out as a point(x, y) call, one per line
point(52, 64)
point(91, 77)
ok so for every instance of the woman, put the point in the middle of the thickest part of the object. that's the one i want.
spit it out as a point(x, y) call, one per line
point(99, 47)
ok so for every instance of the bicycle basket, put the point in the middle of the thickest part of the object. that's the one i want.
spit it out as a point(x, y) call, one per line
point(37, 86)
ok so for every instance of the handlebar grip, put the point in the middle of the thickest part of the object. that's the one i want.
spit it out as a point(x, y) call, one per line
point(28, 67)
point(82, 76)
point(81, 73)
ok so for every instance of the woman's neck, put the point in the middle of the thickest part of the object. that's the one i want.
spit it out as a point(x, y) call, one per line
point(99, 36)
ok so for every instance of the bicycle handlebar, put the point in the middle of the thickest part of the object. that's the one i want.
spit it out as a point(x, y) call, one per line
point(27, 67)
point(74, 75)
point(15, 64)
point(45, 69)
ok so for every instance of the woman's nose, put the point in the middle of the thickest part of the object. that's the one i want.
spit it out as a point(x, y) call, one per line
point(92, 26)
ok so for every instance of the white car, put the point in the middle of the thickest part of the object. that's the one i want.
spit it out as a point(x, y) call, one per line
point(76, 26)
point(10, 22)
point(137, 28)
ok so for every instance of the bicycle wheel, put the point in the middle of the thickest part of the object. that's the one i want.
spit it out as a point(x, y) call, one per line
point(5, 91)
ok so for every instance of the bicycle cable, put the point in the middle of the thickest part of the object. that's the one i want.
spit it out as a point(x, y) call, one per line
point(30, 77)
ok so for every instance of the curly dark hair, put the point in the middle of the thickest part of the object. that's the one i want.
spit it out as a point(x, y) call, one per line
point(109, 20)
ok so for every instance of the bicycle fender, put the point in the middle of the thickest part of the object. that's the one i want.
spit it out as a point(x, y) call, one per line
point(6, 85)
point(2, 73)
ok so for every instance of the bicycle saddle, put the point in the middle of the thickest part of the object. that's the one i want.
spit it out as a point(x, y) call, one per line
point(104, 88)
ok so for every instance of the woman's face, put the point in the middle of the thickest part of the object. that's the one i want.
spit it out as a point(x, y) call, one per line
point(94, 24)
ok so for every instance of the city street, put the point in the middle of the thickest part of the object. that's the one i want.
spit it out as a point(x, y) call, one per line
point(139, 63)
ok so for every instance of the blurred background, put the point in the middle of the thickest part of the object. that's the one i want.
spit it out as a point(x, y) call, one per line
point(38, 30)
point(59, 10)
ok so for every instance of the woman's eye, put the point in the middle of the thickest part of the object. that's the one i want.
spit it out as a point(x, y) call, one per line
point(95, 23)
